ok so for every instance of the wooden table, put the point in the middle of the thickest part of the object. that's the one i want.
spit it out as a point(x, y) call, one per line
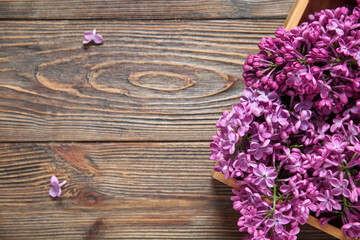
point(127, 123)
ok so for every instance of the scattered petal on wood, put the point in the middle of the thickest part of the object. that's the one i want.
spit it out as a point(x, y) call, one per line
point(55, 190)
point(92, 36)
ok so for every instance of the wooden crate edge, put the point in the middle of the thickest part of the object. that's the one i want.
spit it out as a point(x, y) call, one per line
point(296, 14)
point(312, 221)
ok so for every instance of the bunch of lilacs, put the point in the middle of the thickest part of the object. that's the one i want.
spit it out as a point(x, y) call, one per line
point(319, 60)
point(289, 160)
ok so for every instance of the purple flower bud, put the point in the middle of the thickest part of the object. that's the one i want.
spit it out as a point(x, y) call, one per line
point(279, 60)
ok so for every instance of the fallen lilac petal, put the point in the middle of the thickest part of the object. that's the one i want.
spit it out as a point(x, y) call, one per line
point(55, 190)
point(92, 36)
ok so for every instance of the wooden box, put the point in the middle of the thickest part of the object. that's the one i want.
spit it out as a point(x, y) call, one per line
point(298, 14)
point(302, 8)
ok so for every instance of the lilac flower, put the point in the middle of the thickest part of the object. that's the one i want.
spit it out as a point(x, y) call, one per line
point(244, 125)
point(355, 191)
point(327, 201)
point(338, 122)
point(277, 222)
point(223, 122)
point(312, 33)
point(335, 25)
point(232, 141)
point(247, 196)
point(242, 162)
point(340, 187)
point(303, 105)
point(264, 177)
point(279, 116)
point(320, 134)
point(259, 235)
point(256, 109)
point(303, 120)
point(92, 36)
point(292, 155)
point(216, 153)
point(296, 79)
point(335, 143)
point(291, 187)
point(241, 110)
point(340, 69)
point(355, 53)
point(224, 168)
point(249, 94)
point(293, 232)
point(353, 131)
point(351, 230)
point(258, 151)
point(55, 190)
point(324, 105)
point(344, 48)
point(296, 167)
point(264, 131)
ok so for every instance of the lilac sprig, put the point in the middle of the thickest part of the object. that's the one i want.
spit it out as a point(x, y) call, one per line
point(293, 141)
point(261, 127)
point(290, 162)
point(316, 61)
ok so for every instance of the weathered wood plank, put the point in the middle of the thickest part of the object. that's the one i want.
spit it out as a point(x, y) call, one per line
point(143, 9)
point(116, 191)
point(158, 81)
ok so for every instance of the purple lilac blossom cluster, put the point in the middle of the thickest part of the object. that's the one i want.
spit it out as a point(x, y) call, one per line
point(318, 60)
point(293, 140)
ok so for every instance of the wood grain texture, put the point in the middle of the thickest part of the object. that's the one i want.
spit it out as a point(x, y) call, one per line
point(158, 81)
point(117, 191)
point(143, 9)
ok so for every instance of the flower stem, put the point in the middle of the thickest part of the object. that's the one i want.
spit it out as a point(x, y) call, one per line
point(274, 200)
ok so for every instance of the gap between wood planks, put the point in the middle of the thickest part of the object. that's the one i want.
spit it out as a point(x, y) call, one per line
point(282, 18)
point(110, 141)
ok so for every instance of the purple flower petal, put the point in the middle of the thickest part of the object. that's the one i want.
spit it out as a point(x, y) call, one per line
point(98, 39)
point(88, 35)
point(54, 181)
point(54, 191)
point(278, 228)
point(270, 223)
point(336, 191)
point(258, 155)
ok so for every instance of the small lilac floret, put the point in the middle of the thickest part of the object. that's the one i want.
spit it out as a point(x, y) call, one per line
point(277, 222)
point(264, 176)
point(92, 36)
point(55, 190)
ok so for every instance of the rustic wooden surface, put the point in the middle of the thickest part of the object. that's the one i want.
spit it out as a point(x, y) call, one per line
point(127, 123)
point(143, 9)
point(158, 81)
